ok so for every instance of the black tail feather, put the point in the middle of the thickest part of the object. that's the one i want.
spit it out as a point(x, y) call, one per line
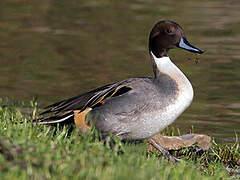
point(66, 118)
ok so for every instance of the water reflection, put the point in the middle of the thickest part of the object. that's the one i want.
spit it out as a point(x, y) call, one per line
point(55, 49)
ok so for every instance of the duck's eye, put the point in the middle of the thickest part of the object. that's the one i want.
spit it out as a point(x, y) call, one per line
point(169, 31)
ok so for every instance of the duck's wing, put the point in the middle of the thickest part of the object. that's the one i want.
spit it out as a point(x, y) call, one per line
point(64, 110)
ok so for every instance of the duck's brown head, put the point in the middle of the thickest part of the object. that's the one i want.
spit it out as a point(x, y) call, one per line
point(166, 35)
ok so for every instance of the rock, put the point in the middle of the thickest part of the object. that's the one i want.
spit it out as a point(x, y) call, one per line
point(179, 142)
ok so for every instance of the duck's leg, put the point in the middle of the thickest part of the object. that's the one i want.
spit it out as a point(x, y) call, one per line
point(163, 151)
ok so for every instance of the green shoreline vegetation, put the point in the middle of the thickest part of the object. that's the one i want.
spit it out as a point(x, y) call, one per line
point(30, 151)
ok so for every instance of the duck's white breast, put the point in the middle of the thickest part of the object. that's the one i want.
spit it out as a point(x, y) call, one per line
point(157, 120)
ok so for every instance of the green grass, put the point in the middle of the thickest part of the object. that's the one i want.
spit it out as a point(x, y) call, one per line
point(41, 152)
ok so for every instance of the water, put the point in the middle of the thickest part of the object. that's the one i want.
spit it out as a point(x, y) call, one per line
point(55, 49)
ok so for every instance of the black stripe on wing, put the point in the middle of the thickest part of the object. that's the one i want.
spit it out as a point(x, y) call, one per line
point(88, 99)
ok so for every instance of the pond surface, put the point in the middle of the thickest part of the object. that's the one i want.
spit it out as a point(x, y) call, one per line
point(55, 49)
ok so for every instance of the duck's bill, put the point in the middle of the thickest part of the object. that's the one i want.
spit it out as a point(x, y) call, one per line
point(184, 44)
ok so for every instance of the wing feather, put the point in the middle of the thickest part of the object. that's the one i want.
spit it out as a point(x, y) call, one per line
point(81, 102)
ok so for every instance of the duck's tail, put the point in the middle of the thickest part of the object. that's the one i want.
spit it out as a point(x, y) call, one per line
point(53, 119)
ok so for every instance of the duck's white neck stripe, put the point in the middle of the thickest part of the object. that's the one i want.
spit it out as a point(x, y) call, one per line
point(166, 66)
point(156, 59)
point(162, 63)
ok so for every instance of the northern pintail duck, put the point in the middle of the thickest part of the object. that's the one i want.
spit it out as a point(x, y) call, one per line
point(136, 108)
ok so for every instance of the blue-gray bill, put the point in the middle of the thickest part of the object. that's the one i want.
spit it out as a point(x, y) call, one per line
point(184, 44)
